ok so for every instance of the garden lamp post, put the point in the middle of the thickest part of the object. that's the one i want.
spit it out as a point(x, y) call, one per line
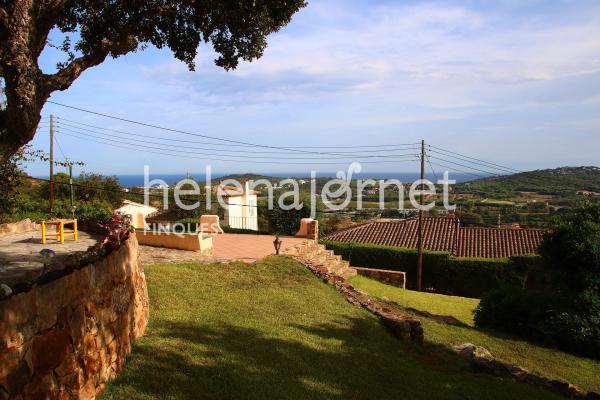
point(277, 244)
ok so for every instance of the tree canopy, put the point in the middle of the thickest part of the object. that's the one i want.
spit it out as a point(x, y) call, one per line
point(237, 29)
point(571, 249)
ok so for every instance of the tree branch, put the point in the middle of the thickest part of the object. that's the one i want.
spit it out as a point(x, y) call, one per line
point(45, 15)
point(66, 76)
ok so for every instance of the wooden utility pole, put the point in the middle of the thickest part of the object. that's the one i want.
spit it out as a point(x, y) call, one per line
point(420, 231)
point(51, 162)
point(70, 164)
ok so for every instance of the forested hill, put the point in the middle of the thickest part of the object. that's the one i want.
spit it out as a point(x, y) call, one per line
point(248, 176)
point(558, 181)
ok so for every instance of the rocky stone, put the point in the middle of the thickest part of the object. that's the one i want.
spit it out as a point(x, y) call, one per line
point(67, 337)
point(23, 226)
point(49, 350)
point(471, 351)
point(5, 290)
point(68, 366)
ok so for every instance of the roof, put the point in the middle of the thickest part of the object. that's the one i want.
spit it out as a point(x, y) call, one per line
point(134, 204)
point(445, 234)
point(233, 191)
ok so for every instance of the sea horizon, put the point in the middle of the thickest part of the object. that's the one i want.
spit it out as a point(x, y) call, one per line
point(137, 180)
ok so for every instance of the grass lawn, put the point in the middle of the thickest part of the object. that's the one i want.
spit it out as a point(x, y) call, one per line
point(273, 330)
point(548, 362)
point(498, 202)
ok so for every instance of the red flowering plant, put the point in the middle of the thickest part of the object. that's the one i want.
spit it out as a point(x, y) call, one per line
point(118, 230)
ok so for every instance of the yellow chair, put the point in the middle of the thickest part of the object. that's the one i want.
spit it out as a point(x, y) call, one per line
point(59, 230)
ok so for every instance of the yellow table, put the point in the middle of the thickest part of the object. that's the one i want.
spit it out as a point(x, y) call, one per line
point(59, 229)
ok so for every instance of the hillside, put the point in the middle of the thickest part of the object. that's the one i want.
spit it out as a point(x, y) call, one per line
point(248, 176)
point(564, 181)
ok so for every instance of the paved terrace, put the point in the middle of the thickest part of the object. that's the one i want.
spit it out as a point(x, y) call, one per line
point(20, 257)
point(226, 247)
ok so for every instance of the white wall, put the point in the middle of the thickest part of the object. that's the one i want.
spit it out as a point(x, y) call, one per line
point(242, 212)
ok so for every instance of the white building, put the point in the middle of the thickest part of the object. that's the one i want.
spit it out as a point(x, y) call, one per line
point(134, 209)
point(241, 212)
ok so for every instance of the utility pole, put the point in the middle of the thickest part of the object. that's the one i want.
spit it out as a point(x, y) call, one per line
point(420, 231)
point(51, 162)
point(70, 164)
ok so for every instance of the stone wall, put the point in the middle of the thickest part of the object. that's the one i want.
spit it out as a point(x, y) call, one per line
point(68, 337)
point(23, 226)
point(396, 278)
point(335, 271)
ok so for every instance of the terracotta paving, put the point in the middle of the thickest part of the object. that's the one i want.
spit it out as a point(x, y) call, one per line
point(248, 248)
point(20, 258)
point(226, 247)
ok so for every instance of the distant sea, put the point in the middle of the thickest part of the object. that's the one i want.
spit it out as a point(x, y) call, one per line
point(405, 177)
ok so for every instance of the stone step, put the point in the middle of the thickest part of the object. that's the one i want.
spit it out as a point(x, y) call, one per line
point(337, 267)
point(347, 273)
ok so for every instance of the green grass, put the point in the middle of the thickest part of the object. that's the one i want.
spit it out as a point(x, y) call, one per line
point(272, 330)
point(552, 363)
point(499, 202)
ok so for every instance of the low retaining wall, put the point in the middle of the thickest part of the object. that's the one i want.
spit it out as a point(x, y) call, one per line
point(181, 241)
point(23, 226)
point(327, 266)
point(68, 337)
point(395, 278)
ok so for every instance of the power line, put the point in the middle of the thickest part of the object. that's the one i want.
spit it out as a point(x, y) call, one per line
point(136, 147)
point(459, 170)
point(529, 176)
point(431, 166)
point(464, 165)
point(60, 147)
point(187, 133)
point(93, 135)
point(80, 125)
point(477, 162)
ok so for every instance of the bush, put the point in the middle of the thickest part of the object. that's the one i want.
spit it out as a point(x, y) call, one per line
point(469, 277)
point(87, 214)
point(513, 310)
point(544, 318)
point(567, 315)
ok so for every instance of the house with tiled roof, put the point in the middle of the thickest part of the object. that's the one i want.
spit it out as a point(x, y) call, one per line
point(445, 234)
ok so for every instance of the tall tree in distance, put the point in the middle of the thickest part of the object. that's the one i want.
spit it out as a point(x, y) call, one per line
point(237, 29)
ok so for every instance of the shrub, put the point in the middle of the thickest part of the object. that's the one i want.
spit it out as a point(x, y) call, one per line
point(544, 317)
point(567, 315)
point(442, 273)
point(513, 310)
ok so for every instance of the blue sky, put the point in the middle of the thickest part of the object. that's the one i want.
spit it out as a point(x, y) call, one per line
point(512, 82)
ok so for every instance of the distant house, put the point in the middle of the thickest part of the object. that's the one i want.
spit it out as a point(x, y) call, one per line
point(587, 193)
point(241, 211)
point(136, 209)
point(446, 234)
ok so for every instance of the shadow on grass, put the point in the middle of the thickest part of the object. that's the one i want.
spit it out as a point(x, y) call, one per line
point(346, 360)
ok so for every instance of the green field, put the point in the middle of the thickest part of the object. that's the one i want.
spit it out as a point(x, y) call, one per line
point(547, 362)
point(271, 330)
point(498, 202)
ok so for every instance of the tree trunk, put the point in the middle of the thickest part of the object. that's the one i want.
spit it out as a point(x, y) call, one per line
point(22, 77)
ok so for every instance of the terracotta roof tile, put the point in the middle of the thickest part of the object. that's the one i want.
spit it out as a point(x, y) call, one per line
point(446, 234)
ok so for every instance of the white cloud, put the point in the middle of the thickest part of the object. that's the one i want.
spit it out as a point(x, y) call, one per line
point(437, 55)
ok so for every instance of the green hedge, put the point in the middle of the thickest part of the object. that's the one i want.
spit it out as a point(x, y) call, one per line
point(442, 273)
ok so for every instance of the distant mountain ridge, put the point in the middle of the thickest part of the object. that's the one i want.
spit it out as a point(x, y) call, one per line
point(556, 181)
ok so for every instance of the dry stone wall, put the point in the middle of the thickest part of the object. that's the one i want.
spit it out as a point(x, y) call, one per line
point(66, 338)
point(23, 226)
